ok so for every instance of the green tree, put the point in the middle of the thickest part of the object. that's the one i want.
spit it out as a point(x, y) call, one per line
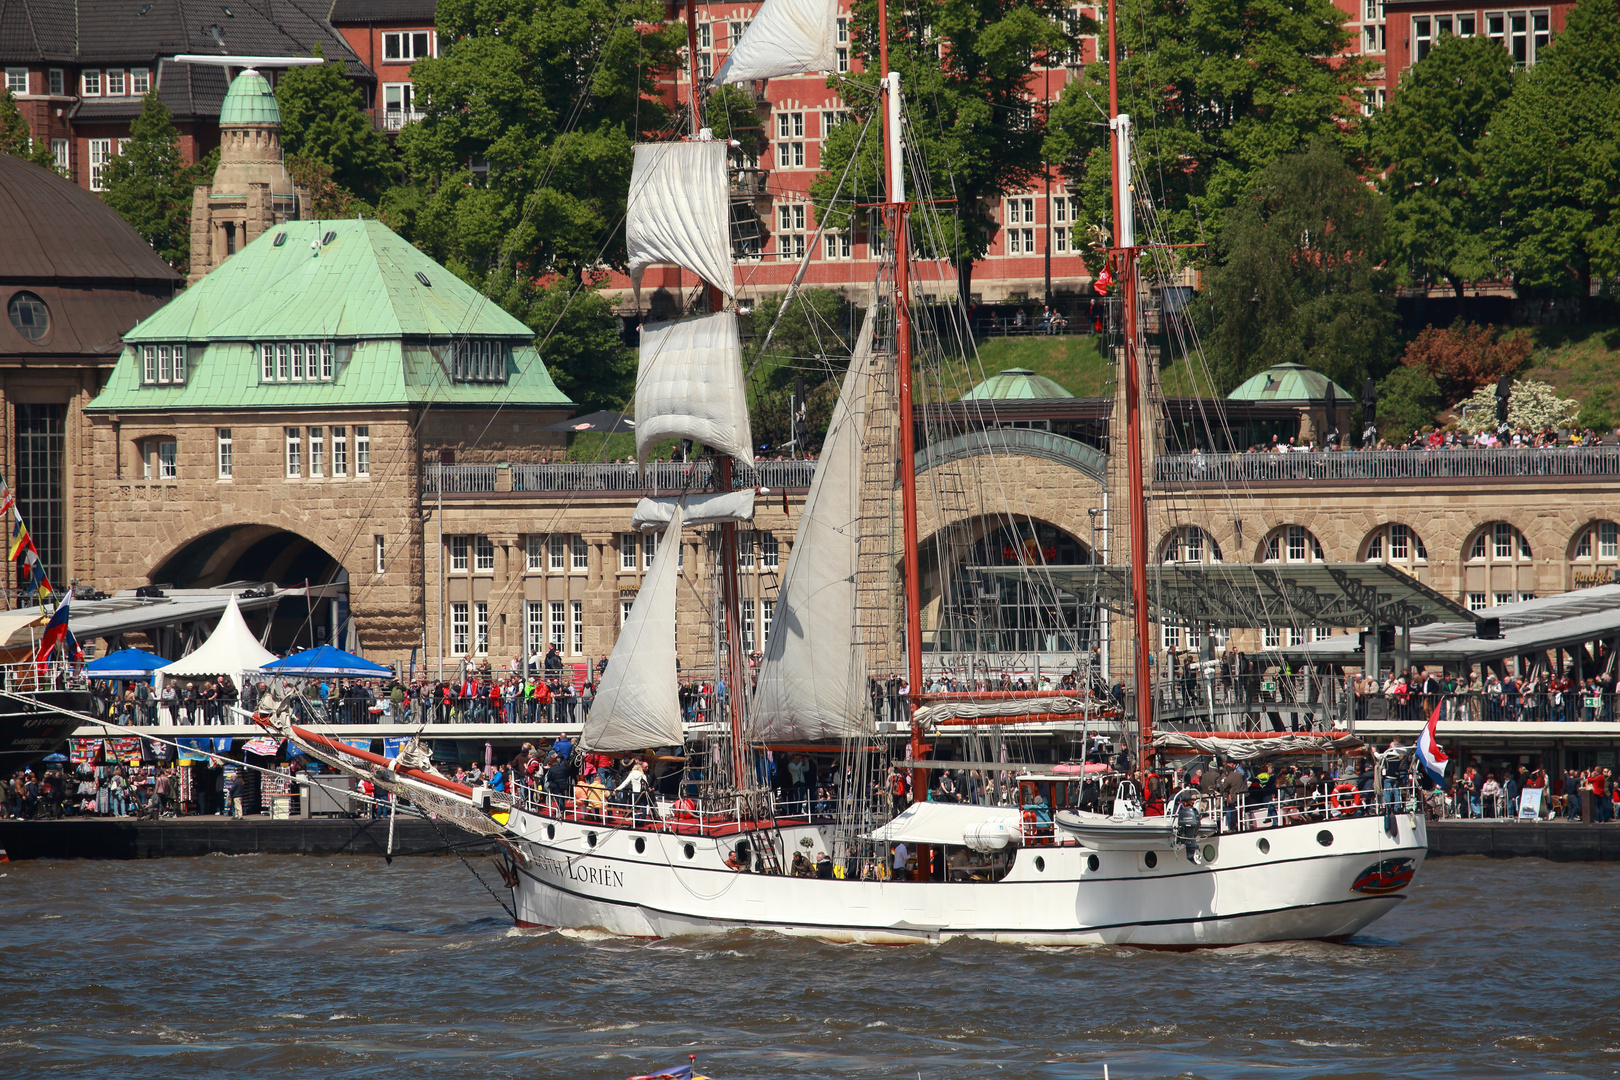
point(1218, 90)
point(1427, 141)
point(15, 138)
point(322, 121)
point(1408, 399)
point(732, 114)
point(812, 343)
point(965, 72)
point(1296, 275)
point(1552, 159)
point(150, 185)
point(1532, 406)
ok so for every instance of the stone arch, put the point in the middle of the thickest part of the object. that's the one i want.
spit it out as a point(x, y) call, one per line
point(1393, 542)
point(1289, 543)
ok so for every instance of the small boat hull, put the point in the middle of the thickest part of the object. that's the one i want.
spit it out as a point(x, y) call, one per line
point(30, 730)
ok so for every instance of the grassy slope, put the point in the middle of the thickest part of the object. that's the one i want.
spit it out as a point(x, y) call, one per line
point(1072, 362)
point(1583, 362)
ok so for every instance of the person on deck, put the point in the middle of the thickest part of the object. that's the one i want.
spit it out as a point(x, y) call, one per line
point(901, 863)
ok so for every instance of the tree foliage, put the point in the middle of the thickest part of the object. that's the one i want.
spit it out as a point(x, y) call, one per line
point(150, 185)
point(577, 335)
point(1552, 159)
point(974, 134)
point(1427, 140)
point(15, 138)
point(1296, 275)
point(1219, 89)
point(1466, 356)
point(323, 123)
point(1408, 399)
point(812, 343)
point(1533, 406)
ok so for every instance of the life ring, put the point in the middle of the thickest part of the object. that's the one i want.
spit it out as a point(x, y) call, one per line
point(1337, 801)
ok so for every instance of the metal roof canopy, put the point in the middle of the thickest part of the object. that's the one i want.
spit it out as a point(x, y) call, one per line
point(126, 613)
point(1564, 620)
point(1260, 594)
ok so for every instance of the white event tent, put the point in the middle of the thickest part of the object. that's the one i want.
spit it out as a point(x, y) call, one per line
point(230, 650)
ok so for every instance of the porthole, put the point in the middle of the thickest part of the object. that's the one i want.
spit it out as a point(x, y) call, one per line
point(1209, 853)
point(590, 838)
point(1324, 838)
point(1264, 845)
point(29, 317)
point(1150, 860)
point(641, 845)
point(551, 832)
point(1092, 862)
point(691, 852)
point(1040, 865)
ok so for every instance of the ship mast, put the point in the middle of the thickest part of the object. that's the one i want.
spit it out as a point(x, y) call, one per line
point(1123, 255)
point(895, 214)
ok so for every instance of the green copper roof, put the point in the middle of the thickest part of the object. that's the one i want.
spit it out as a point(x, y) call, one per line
point(249, 101)
point(1288, 382)
point(1016, 383)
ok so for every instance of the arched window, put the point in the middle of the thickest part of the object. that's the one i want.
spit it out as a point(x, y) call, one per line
point(1597, 542)
point(1291, 543)
point(1395, 543)
point(1189, 544)
point(1498, 568)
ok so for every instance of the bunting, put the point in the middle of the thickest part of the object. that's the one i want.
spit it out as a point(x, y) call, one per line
point(20, 549)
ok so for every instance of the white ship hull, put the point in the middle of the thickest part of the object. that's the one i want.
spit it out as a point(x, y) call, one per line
point(1298, 889)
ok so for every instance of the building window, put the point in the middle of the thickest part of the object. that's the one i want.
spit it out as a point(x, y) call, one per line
point(362, 450)
point(101, 152)
point(317, 451)
point(340, 450)
point(29, 316)
point(378, 553)
point(767, 615)
point(629, 550)
point(116, 83)
point(534, 625)
point(1396, 543)
point(745, 549)
point(407, 45)
point(770, 551)
point(163, 365)
point(480, 360)
point(483, 555)
point(41, 446)
point(576, 610)
point(90, 86)
point(222, 440)
point(1273, 638)
point(458, 629)
point(140, 81)
point(843, 59)
point(582, 554)
point(1190, 544)
point(458, 554)
point(296, 361)
point(61, 153)
point(17, 80)
point(649, 550)
point(1522, 33)
point(534, 553)
point(481, 627)
point(56, 82)
point(624, 611)
point(559, 624)
point(398, 105)
point(1604, 536)
point(1293, 541)
point(295, 452)
point(557, 554)
point(1476, 601)
point(748, 625)
point(159, 459)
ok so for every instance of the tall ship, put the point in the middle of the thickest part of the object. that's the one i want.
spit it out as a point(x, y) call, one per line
point(1091, 851)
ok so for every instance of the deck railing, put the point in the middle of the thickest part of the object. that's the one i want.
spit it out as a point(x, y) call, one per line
point(659, 476)
point(1460, 464)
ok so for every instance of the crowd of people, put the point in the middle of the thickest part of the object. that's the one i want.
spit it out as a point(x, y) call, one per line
point(1446, 438)
point(1478, 791)
point(130, 788)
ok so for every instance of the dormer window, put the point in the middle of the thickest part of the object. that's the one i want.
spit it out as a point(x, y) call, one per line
point(479, 360)
point(163, 365)
point(296, 361)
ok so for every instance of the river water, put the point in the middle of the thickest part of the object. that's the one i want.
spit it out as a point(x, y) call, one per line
point(264, 966)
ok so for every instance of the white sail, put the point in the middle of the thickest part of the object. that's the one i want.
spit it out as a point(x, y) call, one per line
point(690, 386)
point(812, 681)
point(787, 37)
point(715, 508)
point(679, 211)
point(637, 707)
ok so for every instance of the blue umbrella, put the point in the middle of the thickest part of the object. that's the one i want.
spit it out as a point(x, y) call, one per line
point(326, 661)
point(125, 664)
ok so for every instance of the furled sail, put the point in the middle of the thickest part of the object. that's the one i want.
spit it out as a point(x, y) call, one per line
point(690, 386)
point(787, 37)
point(715, 508)
point(679, 211)
point(812, 680)
point(638, 704)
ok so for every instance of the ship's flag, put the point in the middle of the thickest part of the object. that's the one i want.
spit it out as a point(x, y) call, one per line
point(20, 540)
point(1105, 281)
point(32, 579)
point(1431, 757)
point(56, 632)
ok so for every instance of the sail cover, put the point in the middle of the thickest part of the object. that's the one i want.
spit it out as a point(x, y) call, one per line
point(716, 508)
point(812, 680)
point(787, 37)
point(690, 386)
point(638, 704)
point(679, 211)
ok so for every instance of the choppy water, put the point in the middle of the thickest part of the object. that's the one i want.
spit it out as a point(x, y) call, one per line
point(300, 967)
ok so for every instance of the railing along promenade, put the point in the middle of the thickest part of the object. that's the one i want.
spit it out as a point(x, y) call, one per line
point(568, 477)
point(1457, 464)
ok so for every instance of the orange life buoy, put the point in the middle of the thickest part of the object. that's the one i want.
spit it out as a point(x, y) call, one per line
point(1337, 801)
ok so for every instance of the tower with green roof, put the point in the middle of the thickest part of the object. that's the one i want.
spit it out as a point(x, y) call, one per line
point(251, 190)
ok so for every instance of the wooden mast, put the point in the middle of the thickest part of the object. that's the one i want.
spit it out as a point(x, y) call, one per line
point(895, 217)
point(1124, 257)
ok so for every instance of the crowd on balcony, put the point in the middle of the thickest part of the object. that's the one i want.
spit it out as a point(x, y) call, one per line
point(1448, 438)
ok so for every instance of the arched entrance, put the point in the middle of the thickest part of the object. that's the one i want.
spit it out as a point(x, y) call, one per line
point(970, 611)
point(249, 556)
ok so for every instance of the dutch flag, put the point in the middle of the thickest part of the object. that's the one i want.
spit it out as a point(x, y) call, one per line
point(1430, 756)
